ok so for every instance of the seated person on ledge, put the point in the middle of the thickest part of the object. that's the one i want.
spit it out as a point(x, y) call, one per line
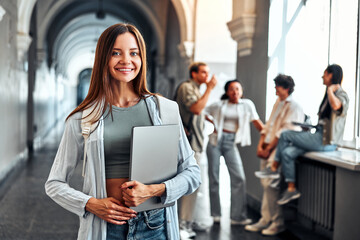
point(329, 132)
point(284, 112)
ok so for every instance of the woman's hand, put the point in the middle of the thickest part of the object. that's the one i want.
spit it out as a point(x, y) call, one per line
point(334, 101)
point(134, 192)
point(110, 210)
point(266, 153)
point(333, 87)
point(263, 153)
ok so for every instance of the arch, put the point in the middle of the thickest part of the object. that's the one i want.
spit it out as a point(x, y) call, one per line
point(242, 25)
point(74, 43)
point(23, 38)
point(24, 15)
point(58, 6)
point(186, 16)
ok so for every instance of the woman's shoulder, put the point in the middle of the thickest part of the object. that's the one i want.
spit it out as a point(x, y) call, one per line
point(74, 120)
point(73, 124)
point(341, 93)
point(158, 99)
point(295, 105)
point(217, 103)
point(247, 102)
point(75, 117)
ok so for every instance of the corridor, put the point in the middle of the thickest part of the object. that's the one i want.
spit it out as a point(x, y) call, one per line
point(47, 50)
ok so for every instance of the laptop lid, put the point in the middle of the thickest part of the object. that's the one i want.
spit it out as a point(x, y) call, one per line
point(153, 158)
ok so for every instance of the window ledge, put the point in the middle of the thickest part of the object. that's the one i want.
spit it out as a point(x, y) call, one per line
point(345, 158)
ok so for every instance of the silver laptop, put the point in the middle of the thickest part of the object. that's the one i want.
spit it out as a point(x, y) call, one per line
point(153, 158)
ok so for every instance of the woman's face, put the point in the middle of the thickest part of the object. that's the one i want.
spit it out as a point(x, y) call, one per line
point(327, 78)
point(282, 92)
point(125, 61)
point(234, 92)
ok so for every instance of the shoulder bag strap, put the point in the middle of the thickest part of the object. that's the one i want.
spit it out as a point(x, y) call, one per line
point(169, 110)
point(86, 129)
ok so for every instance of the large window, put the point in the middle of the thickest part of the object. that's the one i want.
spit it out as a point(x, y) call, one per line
point(343, 45)
point(306, 36)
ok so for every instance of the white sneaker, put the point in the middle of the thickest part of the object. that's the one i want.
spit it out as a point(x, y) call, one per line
point(256, 227)
point(186, 230)
point(267, 173)
point(185, 235)
point(242, 222)
point(217, 219)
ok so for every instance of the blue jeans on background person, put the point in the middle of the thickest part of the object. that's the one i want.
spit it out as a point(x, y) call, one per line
point(293, 144)
point(146, 225)
point(227, 148)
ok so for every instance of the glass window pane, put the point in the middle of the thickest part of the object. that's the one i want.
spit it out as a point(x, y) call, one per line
point(302, 51)
point(343, 41)
point(275, 25)
point(306, 55)
point(292, 6)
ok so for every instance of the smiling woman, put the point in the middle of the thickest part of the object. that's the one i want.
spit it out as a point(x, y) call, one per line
point(124, 66)
point(120, 100)
point(231, 118)
point(125, 58)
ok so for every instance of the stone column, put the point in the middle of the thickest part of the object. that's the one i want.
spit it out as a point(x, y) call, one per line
point(242, 25)
point(186, 50)
point(23, 41)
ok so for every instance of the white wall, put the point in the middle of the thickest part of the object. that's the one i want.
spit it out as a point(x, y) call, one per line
point(213, 42)
point(13, 94)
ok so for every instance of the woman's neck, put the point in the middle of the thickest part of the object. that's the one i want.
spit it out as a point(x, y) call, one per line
point(234, 101)
point(124, 94)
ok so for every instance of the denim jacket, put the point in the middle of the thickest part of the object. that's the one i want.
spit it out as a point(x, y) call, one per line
point(70, 153)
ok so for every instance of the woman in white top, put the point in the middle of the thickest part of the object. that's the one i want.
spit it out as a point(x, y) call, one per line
point(231, 118)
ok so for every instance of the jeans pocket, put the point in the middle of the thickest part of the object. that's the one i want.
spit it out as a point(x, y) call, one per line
point(155, 219)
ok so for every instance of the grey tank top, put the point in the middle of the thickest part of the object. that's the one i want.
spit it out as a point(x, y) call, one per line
point(117, 137)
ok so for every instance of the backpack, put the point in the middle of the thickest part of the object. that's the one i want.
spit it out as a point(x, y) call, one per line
point(187, 125)
point(169, 114)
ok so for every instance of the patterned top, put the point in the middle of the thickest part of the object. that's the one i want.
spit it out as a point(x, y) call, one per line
point(188, 93)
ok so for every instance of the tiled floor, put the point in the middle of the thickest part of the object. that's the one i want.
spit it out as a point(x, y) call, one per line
point(27, 213)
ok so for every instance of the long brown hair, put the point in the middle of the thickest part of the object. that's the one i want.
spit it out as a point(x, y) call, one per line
point(100, 92)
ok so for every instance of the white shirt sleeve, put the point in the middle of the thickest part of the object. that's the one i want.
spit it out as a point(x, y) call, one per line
point(252, 109)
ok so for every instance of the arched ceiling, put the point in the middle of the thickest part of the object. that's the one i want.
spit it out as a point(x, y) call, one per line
point(70, 29)
point(54, 15)
point(74, 46)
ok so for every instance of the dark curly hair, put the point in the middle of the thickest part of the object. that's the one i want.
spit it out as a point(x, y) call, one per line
point(285, 81)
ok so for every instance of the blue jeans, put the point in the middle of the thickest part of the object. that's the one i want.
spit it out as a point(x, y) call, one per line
point(146, 225)
point(293, 144)
point(227, 148)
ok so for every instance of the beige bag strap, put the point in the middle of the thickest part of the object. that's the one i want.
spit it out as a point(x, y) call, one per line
point(87, 128)
point(169, 110)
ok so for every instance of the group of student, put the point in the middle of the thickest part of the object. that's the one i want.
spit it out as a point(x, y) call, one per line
point(283, 138)
point(119, 100)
